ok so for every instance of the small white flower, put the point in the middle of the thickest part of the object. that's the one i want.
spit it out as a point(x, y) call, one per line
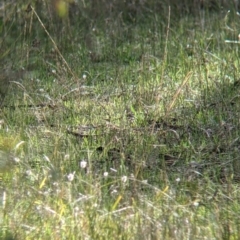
point(124, 179)
point(83, 164)
point(178, 180)
point(195, 204)
point(105, 174)
point(29, 172)
point(66, 157)
point(38, 207)
point(47, 192)
point(84, 76)
point(70, 176)
point(76, 209)
point(16, 160)
point(55, 184)
point(113, 192)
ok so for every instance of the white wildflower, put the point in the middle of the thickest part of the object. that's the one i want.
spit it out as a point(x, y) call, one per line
point(83, 164)
point(113, 192)
point(196, 204)
point(16, 159)
point(70, 176)
point(178, 180)
point(124, 179)
point(29, 173)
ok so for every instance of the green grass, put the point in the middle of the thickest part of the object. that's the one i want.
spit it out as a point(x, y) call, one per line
point(154, 116)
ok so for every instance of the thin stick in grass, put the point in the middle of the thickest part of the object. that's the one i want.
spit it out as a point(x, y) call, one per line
point(54, 44)
point(177, 93)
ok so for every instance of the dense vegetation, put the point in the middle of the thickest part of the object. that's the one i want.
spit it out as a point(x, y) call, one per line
point(119, 120)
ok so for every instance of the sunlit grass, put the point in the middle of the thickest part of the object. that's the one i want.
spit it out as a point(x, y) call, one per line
point(142, 144)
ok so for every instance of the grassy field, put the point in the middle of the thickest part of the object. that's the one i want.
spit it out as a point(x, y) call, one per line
point(121, 130)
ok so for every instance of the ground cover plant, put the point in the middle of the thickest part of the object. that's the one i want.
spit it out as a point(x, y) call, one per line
point(119, 124)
